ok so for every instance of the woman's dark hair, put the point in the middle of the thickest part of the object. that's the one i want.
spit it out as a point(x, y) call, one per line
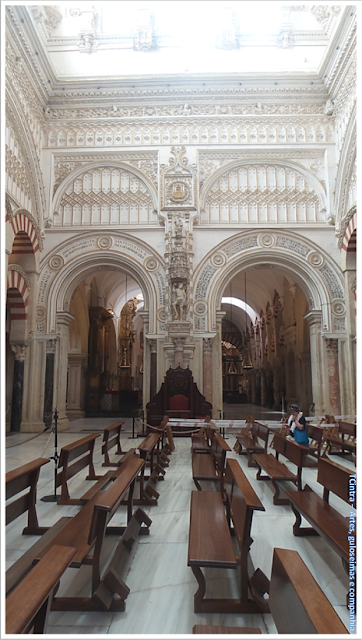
point(294, 407)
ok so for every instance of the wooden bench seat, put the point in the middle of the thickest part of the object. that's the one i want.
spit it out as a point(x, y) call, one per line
point(296, 601)
point(80, 454)
point(276, 470)
point(210, 467)
point(249, 441)
point(29, 604)
point(323, 518)
point(85, 532)
point(210, 541)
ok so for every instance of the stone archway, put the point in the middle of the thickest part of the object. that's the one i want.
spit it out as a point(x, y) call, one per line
point(311, 268)
point(66, 267)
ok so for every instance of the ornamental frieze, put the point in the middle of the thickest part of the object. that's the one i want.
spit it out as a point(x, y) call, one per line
point(207, 131)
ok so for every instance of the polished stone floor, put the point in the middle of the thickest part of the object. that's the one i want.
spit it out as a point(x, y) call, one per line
point(162, 586)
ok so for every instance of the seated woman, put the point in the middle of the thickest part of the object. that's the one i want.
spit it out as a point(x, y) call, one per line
point(297, 425)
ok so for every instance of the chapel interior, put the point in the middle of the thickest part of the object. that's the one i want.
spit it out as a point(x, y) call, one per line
point(180, 239)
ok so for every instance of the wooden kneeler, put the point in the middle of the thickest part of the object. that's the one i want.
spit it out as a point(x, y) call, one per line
point(112, 582)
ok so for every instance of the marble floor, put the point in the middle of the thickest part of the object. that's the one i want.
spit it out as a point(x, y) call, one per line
point(162, 586)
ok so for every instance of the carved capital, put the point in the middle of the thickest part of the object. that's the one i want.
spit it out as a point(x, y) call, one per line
point(153, 345)
point(51, 346)
point(19, 351)
point(332, 346)
point(207, 346)
point(179, 343)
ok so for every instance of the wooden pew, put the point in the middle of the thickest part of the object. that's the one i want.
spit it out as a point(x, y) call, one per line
point(344, 439)
point(112, 438)
point(16, 481)
point(210, 467)
point(208, 628)
point(24, 477)
point(276, 470)
point(296, 602)
point(201, 441)
point(28, 605)
point(210, 541)
point(324, 519)
point(249, 440)
point(149, 452)
point(80, 454)
point(86, 531)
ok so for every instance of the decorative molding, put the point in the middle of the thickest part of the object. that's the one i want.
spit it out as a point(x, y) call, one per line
point(15, 267)
point(19, 351)
point(332, 346)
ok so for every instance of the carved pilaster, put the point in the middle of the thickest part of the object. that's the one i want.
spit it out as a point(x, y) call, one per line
point(333, 375)
point(207, 346)
point(19, 351)
point(332, 346)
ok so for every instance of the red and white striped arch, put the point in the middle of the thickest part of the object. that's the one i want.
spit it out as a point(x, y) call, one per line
point(18, 294)
point(350, 235)
point(26, 239)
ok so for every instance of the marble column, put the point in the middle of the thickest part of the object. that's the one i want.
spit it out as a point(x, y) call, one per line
point(207, 368)
point(18, 386)
point(153, 367)
point(316, 360)
point(333, 375)
point(60, 396)
point(49, 382)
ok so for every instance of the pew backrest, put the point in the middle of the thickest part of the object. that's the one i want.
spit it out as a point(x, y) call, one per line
point(347, 429)
point(297, 603)
point(219, 449)
point(17, 480)
point(80, 453)
point(335, 479)
point(111, 438)
point(241, 500)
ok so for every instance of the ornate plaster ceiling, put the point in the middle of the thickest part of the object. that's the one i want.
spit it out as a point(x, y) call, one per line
point(122, 39)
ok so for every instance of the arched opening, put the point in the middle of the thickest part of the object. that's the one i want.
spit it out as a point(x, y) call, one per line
point(105, 357)
point(265, 344)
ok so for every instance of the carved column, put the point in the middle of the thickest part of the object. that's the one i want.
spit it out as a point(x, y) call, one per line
point(207, 368)
point(333, 375)
point(153, 367)
point(179, 353)
point(49, 382)
point(60, 396)
point(18, 386)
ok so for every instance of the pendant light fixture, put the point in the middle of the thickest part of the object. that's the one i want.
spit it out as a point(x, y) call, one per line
point(247, 364)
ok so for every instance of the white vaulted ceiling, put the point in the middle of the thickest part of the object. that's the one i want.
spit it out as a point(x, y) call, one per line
point(122, 39)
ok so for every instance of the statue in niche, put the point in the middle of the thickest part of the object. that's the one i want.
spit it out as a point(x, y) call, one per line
point(179, 304)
